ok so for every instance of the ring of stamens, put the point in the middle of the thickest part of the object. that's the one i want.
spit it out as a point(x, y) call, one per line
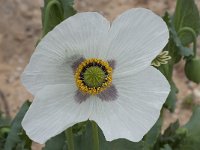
point(93, 76)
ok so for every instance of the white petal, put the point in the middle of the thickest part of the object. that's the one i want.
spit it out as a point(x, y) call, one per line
point(136, 37)
point(52, 111)
point(81, 34)
point(137, 108)
point(42, 71)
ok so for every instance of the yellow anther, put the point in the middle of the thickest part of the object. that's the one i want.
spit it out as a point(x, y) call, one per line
point(107, 79)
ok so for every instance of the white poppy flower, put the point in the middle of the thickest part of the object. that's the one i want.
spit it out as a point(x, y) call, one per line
point(87, 68)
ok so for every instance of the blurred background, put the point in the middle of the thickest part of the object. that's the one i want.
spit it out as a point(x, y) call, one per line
point(20, 28)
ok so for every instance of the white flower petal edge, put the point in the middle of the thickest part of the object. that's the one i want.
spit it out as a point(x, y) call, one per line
point(53, 110)
point(80, 34)
point(132, 115)
point(136, 37)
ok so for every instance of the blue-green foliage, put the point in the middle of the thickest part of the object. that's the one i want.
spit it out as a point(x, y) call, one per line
point(17, 139)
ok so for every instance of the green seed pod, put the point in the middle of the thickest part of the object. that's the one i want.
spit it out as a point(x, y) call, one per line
point(192, 70)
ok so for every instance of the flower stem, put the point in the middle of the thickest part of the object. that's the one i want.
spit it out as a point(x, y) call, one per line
point(194, 36)
point(70, 139)
point(95, 136)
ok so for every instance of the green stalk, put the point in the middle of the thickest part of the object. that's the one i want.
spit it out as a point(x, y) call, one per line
point(188, 29)
point(70, 139)
point(95, 134)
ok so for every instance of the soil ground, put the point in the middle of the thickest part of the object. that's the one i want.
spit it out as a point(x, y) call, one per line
point(20, 28)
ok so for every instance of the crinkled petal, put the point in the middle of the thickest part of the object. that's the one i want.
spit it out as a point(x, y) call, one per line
point(136, 37)
point(79, 35)
point(137, 108)
point(53, 110)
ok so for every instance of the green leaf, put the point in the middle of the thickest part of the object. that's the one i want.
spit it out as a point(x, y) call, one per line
point(84, 141)
point(175, 46)
point(4, 129)
point(175, 49)
point(171, 45)
point(57, 142)
point(170, 131)
point(169, 137)
point(184, 51)
point(170, 103)
point(167, 70)
point(68, 8)
point(123, 144)
point(52, 15)
point(166, 147)
point(26, 142)
point(186, 15)
point(192, 139)
point(14, 138)
point(54, 12)
point(185, 137)
point(151, 137)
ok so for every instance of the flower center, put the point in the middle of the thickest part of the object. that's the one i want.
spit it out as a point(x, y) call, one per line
point(93, 76)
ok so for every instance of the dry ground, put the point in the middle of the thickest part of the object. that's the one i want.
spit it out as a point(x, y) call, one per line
point(20, 28)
